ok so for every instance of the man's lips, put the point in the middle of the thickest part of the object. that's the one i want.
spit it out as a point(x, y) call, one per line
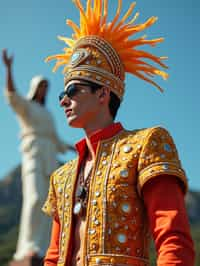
point(68, 112)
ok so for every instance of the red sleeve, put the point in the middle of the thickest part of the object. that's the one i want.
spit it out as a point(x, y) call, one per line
point(168, 220)
point(52, 254)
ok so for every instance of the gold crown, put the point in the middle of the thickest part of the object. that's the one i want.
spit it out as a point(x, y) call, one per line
point(103, 52)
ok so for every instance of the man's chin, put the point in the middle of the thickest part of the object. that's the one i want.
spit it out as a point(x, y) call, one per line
point(73, 123)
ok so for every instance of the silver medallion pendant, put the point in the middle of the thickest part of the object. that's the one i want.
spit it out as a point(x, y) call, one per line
point(80, 205)
point(78, 208)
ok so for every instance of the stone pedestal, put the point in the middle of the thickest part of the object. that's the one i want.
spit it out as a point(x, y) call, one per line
point(29, 261)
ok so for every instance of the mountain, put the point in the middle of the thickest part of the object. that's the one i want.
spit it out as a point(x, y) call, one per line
point(193, 206)
point(10, 199)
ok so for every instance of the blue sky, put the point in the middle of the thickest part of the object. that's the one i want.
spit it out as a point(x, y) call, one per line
point(28, 29)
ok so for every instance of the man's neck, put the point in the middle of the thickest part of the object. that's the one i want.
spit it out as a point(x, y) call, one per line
point(90, 132)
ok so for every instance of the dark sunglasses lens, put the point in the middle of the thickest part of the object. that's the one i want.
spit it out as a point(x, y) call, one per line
point(61, 95)
point(71, 90)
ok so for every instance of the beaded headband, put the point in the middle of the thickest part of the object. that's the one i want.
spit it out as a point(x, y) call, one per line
point(103, 52)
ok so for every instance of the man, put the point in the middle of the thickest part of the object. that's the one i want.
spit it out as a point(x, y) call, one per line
point(39, 146)
point(124, 185)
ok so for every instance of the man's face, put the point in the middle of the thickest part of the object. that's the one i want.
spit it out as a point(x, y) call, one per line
point(81, 106)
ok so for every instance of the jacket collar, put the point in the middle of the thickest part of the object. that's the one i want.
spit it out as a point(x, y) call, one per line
point(97, 136)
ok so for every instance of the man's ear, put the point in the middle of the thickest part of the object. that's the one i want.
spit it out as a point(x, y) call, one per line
point(104, 95)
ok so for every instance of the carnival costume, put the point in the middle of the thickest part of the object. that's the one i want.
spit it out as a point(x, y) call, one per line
point(117, 228)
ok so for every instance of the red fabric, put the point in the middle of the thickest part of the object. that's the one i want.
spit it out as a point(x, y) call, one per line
point(52, 254)
point(165, 206)
point(105, 133)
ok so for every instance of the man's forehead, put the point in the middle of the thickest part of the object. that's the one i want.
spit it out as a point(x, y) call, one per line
point(74, 81)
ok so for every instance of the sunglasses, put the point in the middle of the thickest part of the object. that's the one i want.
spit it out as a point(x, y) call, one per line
point(72, 90)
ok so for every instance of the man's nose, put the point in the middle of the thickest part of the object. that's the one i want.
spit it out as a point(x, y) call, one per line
point(65, 101)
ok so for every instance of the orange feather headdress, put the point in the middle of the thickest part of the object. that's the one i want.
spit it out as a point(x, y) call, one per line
point(103, 52)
